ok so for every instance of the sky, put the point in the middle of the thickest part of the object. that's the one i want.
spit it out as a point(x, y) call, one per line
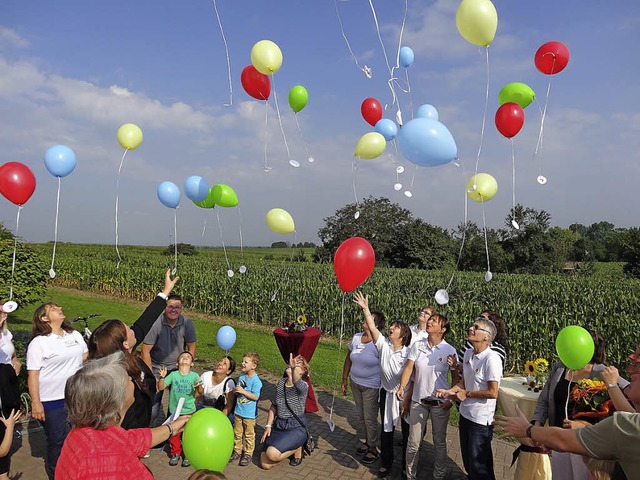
point(72, 72)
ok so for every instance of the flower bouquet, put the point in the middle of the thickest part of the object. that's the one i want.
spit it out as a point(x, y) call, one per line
point(592, 401)
point(299, 325)
point(536, 371)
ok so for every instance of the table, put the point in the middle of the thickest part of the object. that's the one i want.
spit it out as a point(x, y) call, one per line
point(300, 343)
point(512, 392)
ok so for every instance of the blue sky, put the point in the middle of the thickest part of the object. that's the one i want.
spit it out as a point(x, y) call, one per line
point(71, 72)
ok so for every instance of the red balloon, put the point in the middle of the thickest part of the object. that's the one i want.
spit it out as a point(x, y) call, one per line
point(255, 83)
point(371, 110)
point(17, 182)
point(353, 263)
point(509, 119)
point(552, 57)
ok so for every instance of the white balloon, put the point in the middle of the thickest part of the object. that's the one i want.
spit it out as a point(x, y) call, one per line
point(9, 306)
point(242, 269)
point(294, 163)
point(515, 225)
point(357, 215)
point(230, 273)
point(397, 187)
point(442, 297)
point(542, 180)
point(52, 273)
point(408, 194)
point(311, 159)
point(400, 169)
point(488, 276)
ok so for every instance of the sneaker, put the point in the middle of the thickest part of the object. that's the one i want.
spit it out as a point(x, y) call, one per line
point(234, 456)
point(369, 458)
point(185, 462)
point(173, 461)
point(364, 448)
point(244, 460)
point(148, 454)
point(294, 462)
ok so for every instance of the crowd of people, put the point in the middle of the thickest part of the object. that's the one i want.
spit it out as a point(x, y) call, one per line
point(111, 397)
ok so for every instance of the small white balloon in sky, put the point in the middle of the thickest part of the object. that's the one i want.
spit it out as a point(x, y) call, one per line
point(542, 179)
point(294, 163)
point(515, 225)
point(408, 194)
point(442, 297)
point(311, 159)
point(357, 215)
point(400, 169)
point(397, 187)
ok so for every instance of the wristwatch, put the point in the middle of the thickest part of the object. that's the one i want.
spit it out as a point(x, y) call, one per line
point(612, 385)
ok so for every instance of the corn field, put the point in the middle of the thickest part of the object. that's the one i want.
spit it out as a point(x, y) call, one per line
point(274, 292)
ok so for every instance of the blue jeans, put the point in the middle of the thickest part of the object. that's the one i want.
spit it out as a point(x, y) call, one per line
point(56, 429)
point(475, 447)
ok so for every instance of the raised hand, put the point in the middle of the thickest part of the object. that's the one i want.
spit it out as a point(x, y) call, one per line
point(361, 300)
point(169, 283)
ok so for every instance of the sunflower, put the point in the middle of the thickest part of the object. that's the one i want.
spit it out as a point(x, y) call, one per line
point(530, 368)
point(542, 365)
point(302, 319)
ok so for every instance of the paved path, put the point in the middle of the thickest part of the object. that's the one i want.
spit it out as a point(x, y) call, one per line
point(334, 458)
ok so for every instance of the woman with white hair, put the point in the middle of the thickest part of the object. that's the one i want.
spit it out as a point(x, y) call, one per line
point(97, 398)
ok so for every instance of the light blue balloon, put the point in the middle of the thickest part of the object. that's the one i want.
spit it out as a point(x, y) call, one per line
point(196, 188)
point(60, 160)
point(427, 142)
point(169, 194)
point(427, 111)
point(406, 57)
point(387, 128)
point(226, 337)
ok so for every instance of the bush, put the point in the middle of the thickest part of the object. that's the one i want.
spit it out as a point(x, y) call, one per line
point(183, 249)
point(29, 278)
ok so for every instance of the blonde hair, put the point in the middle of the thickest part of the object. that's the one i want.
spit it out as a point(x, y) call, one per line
point(203, 474)
point(255, 358)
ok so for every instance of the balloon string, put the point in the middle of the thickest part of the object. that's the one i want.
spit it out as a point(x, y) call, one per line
point(366, 70)
point(275, 98)
point(484, 116)
point(486, 244)
point(288, 269)
point(406, 74)
point(204, 225)
point(240, 228)
point(464, 236)
point(117, 200)
point(566, 404)
point(354, 169)
point(224, 249)
point(335, 378)
point(226, 49)
point(266, 135)
point(55, 230)
point(175, 240)
point(513, 173)
point(542, 119)
point(15, 246)
point(397, 65)
point(309, 157)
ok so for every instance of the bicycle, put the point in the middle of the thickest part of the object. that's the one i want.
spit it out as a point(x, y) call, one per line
point(87, 332)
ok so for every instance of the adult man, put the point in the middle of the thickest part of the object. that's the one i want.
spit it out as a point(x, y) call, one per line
point(478, 391)
point(428, 360)
point(171, 335)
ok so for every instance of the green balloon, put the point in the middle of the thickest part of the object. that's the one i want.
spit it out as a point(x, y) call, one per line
point(208, 202)
point(298, 98)
point(224, 195)
point(207, 440)
point(575, 347)
point(516, 92)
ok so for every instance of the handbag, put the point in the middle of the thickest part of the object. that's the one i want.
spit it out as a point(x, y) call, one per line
point(308, 446)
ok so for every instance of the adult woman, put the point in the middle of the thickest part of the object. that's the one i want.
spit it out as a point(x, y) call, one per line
point(500, 344)
point(55, 353)
point(555, 406)
point(393, 352)
point(419, 330)
point(218, 386)
point(7, 350)
point(362, 366)
point(113, 336)
point(97, 397)
point(285, 431)
point(9, 387)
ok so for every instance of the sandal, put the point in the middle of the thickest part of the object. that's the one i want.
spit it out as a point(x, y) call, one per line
point(364, 448)
point(370, 457)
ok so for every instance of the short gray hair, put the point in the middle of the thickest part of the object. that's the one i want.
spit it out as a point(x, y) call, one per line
point(493, 331)
point(95, 395)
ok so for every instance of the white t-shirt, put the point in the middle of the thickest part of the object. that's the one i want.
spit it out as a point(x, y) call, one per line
point(391, 363)
point(430, 369)
point(211, 391)
point(478, 371)
point(365, 363)
point(57, 358)
point(6, 347)
point(416, 334)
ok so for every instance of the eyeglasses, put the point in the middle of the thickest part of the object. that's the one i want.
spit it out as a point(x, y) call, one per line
point(423, 314)
point(174, 307)
point(478, 327)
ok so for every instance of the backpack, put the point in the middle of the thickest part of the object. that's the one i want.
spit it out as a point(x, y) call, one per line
point(220, 402)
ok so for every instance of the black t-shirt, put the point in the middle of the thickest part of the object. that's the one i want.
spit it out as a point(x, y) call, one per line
point(560, 395)
point(139, 414)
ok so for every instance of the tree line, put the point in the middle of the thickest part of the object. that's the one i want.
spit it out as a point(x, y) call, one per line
point(403, 241)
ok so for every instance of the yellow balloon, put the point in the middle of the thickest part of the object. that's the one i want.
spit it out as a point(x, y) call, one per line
point(280, 221)
point(370, 145)
point(266, 56)
point(482, 187)
point(129, 136)
point(477, 21)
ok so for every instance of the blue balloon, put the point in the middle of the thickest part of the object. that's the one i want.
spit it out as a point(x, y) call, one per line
point(169, 194)
point(406, 57)
point(226, 337)
point(387, 128)
point(427, 111)
point(60, 160)
point(196, 188)
point(427, 142)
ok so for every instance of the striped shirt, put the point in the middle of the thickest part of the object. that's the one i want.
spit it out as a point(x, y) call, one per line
point(296, 398)
point(495, 346)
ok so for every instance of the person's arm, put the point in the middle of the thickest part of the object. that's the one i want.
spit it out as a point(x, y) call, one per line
point(363, 302)
point(33, 382)
point(345, 372)
point(560, 439)
point(251, 395)
point(541, 413)
point(191, 348)
point(267, 428)
point(16, 363)
point(404, 378)
point(165, 432)
point(163, 373)
point(145, 354)
point(9, 423)
point(610, 376)
point(490, 392)
point(199, 388)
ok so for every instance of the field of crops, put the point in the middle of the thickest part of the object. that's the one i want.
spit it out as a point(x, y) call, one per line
point(274, 291)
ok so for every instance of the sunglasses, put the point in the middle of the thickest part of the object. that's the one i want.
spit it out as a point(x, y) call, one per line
point(478, 327)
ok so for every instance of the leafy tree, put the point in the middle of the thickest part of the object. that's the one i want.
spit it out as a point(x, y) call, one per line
point(474, 253)
point(279, 245)
point(421, 245)
point(183, 249)
point(630, 243)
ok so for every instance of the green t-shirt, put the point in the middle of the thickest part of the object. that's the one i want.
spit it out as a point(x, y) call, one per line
point(182, 386)
point(617, 438)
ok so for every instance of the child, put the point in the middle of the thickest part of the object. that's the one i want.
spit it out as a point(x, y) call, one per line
point(246, 410)
point(6, 428)
point(184, 384)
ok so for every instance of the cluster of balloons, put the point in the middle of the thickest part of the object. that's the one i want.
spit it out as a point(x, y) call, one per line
point(197, 190)
point(17, 182)
point(353, 263)
point(280, 221)
point(226, 337)
point(221, 194)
